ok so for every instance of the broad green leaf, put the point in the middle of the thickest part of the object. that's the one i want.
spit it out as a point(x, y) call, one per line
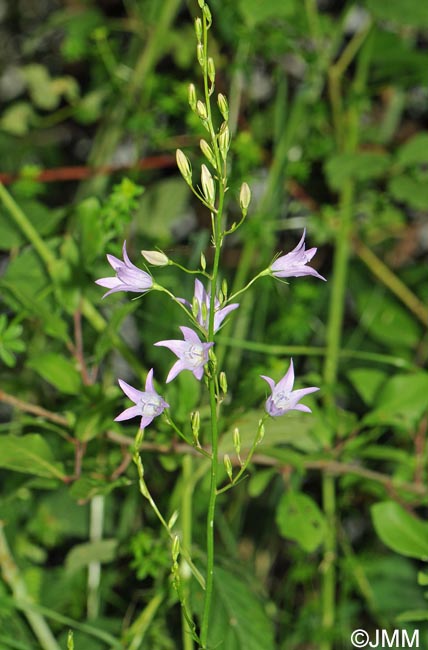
point(367, 382)
point(254, 11)
point(29, 454)
point(409, 190)
point(86, 487)
point(58, 371)
point(43, 219)
point(299, 518)
point(359, 166)
point(414, 151)
point(402, 401)
point(155, 218)
point(399, 530)
point(238, 620)
point(410, 12)
point(259, 481)
point(103, 550)
point(18, 118)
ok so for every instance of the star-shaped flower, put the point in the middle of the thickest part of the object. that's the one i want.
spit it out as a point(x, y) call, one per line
point(283, 397)
point(192, 354)
point(294, 264)
point(203, 297)
point(128, 276)
point(147, 404)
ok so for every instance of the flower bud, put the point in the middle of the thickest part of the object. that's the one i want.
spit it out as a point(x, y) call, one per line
point(143, 489)
point(207, 14)
point(244, 197)
point(198, 29)
point(172, 520)
point(175, 550)
point(183, 165)
point(195, 420)
point(204, 312)
point(201, 3)
point(224, 288)
point(223, 381)
point(228, 466)
point(223, 106)
point(211, 69)
point(195, 307)
point(201, 109)
point(224, 140)
point(200, 54)
point(208, 152)
point(192, 96)
point(155, 258)
point(237, 440)
point(208, 186)
point(203, 262)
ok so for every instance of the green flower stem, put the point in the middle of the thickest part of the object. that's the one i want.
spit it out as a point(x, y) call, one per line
point(217, 221)
point(183, 268)
point(199, 449)
point(247, 461)
point(12, 577)
point(248, 285)
point(146, 494)
point(186, 527)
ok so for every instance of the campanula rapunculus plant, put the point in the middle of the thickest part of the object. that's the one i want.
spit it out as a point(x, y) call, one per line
point(148, 404)
point(283, 398)
point(202, 299)
point(294, 263)
point(128, 276)
point(192, 354)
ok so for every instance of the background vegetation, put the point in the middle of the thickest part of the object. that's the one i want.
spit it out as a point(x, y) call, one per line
point(329, 108)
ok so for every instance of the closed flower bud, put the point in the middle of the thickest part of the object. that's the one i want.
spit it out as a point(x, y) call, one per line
point(208, 152)
point(201, 109)
point(183, 164)
point(195, 420)
point(200, 54)
point(192, 96)
point(143, 489)
point(207, 14)
point(237, 440)
point(244, 197)
point(260, 432)
point(211, 69)
point(203, 262)
point(195, 307)
point(208, 186)
point(223, 106)
point(223, 381)
point(228, 466)
point(155, 258)
point(224, 288)
point(224, 140)
point(172, 520)
point(201, 3)
point(198, 29)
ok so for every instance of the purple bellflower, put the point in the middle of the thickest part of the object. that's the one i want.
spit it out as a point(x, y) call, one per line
point(148, 404)
point(294, 264)
point(203, 297)
point(283, 397)
point(128, 276)
point(192, 354)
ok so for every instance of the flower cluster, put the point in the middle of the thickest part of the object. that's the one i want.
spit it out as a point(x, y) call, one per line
point(192, 353)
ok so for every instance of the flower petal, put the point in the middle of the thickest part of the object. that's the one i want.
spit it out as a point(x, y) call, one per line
point(190, 335)
point(269, 381)
point(131, 392)
point(176, 369)
point(149, 382)
point(286, 383)
point(129, 413)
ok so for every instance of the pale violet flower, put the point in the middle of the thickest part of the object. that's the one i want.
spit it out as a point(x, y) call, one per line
point(128, 276)
point(283, 398)
point(294, 264)
point(202, 297)
point(192, 354)
point(147, 404)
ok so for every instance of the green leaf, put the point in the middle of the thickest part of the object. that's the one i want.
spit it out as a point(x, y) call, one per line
point(409, 190)
point(18, 118)
point(414, 151)
point(410, 12)
point(103, 550)
point(238, 620)
point(299, 518)
point(29, 454)
point(58, 371)
point(259, 481)
point(359, 166)
point(254, 11)
point(402, 401)
point(367, 382)
point(86, 488)
point(399, 530)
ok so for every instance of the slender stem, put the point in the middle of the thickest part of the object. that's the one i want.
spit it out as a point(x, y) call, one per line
point(217, 221)
point(94, 568)
point(186, 527)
